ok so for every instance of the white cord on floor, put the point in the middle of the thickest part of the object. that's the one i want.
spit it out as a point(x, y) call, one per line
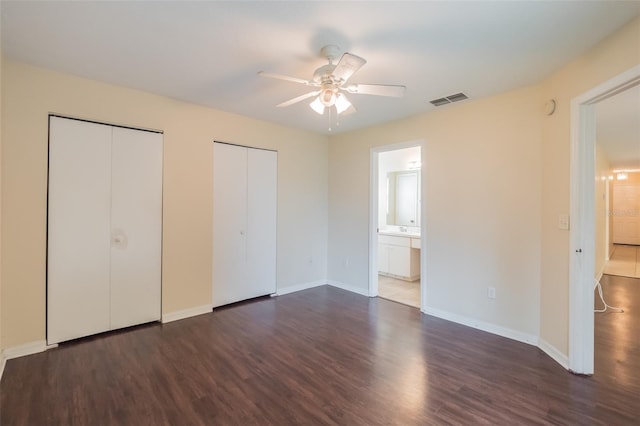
point(599, 287)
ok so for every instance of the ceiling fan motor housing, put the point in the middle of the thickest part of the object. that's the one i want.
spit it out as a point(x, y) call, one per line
point(323, 74)
point(330, 52)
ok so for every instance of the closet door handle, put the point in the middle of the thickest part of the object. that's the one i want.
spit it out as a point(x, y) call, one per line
point(119, 240)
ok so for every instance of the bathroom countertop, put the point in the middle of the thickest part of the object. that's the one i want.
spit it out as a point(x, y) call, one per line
point(399, 234)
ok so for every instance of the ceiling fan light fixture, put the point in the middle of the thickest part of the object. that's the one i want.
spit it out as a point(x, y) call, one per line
point(342, 103)
point(329, 82)
point(317, 105)
point(328, 96)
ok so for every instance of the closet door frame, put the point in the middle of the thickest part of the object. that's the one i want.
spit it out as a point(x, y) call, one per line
point(53, 339)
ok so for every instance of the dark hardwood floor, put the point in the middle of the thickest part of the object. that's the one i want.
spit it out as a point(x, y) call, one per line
point(325, 356)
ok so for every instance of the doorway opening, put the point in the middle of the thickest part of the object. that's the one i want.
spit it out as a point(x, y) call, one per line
point(396, 231)
point(583, 229)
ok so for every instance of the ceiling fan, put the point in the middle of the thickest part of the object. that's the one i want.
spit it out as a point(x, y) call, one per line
point(330, 83)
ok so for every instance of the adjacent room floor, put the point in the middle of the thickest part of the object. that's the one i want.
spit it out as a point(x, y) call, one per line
point(624, 261)
point(406, 292)
point(325, 356)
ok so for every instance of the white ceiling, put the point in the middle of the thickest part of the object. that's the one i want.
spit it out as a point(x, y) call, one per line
point(209, 52)
point(618, 128)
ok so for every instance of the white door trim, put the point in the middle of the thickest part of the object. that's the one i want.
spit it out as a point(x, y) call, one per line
point(582, 234)
point(373, 217)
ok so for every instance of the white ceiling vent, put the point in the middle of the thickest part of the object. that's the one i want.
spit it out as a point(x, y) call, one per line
point(449, 99)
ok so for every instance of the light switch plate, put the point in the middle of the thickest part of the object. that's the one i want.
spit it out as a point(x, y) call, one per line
point(563, 221)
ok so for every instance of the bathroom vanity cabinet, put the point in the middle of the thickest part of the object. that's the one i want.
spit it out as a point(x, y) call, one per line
point(399, 256)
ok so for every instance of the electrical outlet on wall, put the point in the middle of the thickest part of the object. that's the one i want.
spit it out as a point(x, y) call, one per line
point(491, 292)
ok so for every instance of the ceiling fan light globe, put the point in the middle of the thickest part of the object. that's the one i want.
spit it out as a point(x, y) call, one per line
point(317, 106)
point(328, 97)
point(342, 103)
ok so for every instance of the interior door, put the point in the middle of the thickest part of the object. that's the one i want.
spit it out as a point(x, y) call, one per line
point(229, 222)
point(78, 229)
point(626, 213)
point(136, 227)
point(262, 176)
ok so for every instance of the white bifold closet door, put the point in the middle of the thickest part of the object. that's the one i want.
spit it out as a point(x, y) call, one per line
point(244, 223)
point(104, 228)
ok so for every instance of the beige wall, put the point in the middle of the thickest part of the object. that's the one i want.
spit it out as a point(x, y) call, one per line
point(481, 166)
point(497, 178)
point(614, 55)
point(30, 94)
point(603, 170)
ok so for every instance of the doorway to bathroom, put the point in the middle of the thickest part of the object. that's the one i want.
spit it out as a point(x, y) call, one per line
point(396, 254)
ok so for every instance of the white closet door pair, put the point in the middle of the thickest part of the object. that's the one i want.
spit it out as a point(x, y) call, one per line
point(104, 228)
point(244, 223)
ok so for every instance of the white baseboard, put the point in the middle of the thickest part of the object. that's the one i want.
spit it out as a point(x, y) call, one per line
point(26, 349)
point(186, 313)
point(554, 353)
point(299, 287)
point(348, 287)
point(3, 362)
point(484, 326)
point(22, 350)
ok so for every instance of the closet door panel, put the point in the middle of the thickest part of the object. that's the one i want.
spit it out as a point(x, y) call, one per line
point(78, 229)
point(262, 172)
point(136, 227)
point(229, 223)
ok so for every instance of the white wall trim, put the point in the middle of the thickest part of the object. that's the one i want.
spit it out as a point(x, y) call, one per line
point(349, 287)
point(484, 326)
point(582, 231)
point(186, 313)
point(3, 362)
point(24, 350)
point(554, 353)
point(299, 287)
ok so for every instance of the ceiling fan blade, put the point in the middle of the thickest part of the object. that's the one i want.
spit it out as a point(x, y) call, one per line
point(299, 98)
point(347, 66)
point(376, 89)
point(284, 77)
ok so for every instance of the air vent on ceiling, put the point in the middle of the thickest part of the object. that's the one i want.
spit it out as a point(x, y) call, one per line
point(441, 101)
point(448, 99)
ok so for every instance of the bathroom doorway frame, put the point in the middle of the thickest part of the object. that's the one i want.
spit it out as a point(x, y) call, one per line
point(582, 231)
point(373, 216)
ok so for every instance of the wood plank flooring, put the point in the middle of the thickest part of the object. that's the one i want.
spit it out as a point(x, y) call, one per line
point(325, 357)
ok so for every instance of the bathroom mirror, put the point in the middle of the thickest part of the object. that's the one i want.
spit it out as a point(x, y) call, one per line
point(403, 198)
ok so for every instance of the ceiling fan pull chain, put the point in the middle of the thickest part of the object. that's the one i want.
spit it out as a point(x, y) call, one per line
point(330, 117)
